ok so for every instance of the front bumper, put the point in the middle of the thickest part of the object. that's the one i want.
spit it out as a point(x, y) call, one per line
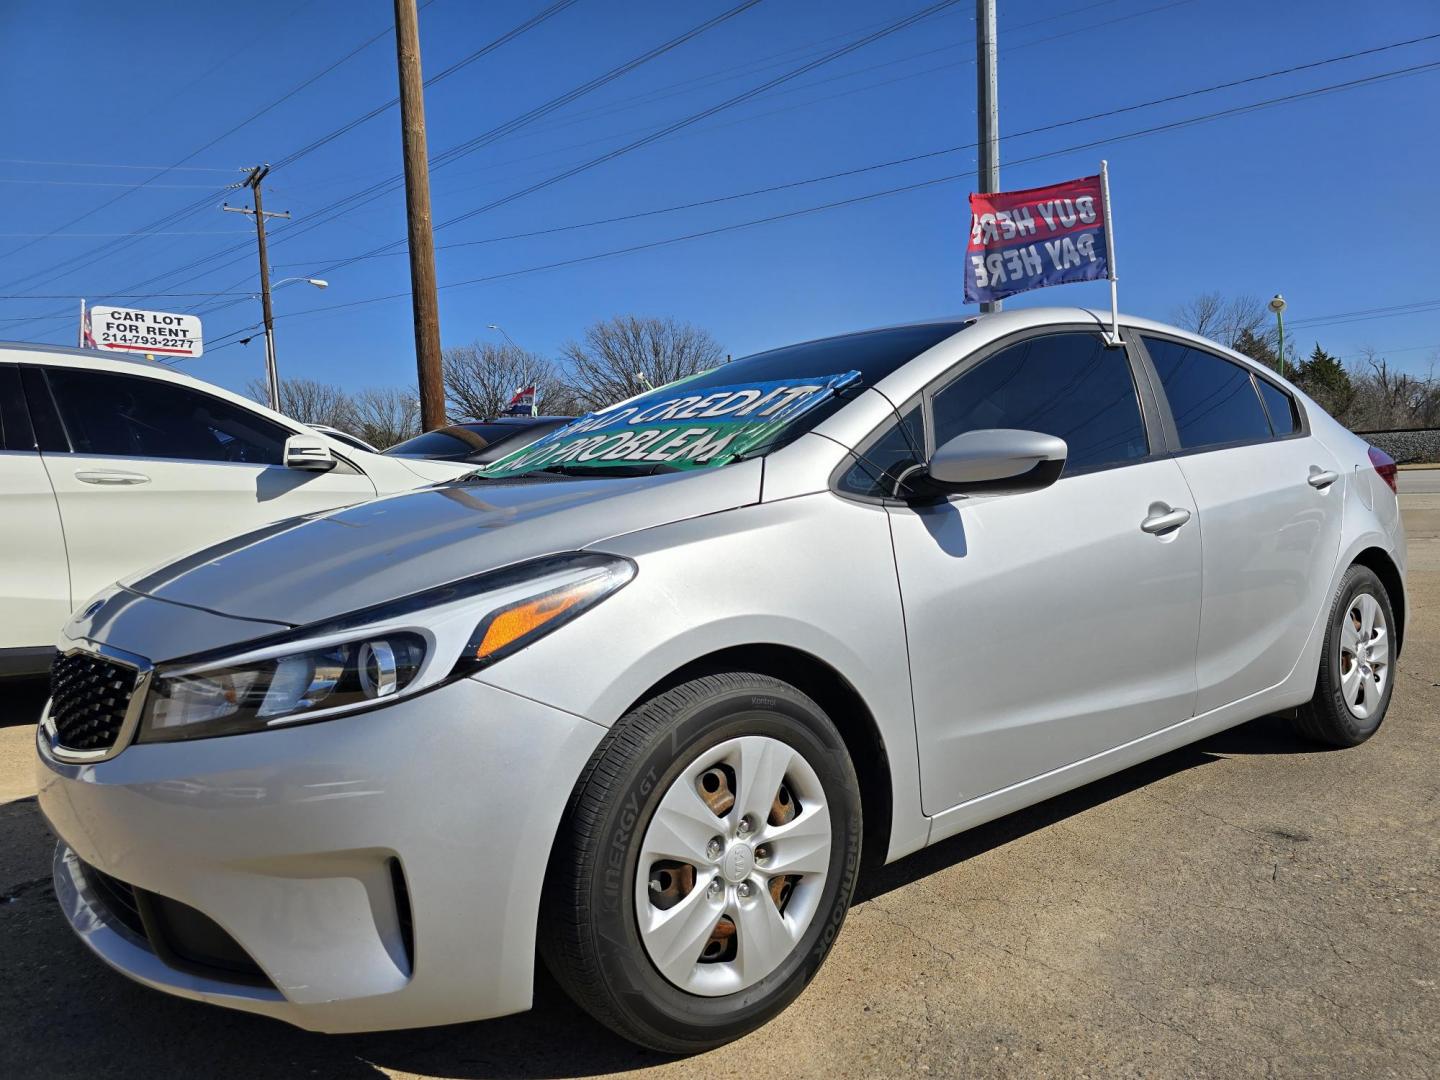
point(286, 840)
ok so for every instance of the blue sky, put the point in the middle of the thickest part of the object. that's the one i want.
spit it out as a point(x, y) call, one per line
point(1330, 200)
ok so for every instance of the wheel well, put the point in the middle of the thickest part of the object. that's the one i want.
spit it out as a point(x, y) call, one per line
point(842, 703)
point(1378, 560)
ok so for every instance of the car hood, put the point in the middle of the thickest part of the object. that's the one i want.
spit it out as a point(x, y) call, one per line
point(307, 569)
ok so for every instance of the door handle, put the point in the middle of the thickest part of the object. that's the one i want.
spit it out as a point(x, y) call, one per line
point(1163, 521)
point(110, 476)
point(1321, 479)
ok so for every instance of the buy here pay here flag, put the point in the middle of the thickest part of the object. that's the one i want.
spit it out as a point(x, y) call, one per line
point(1022, 240)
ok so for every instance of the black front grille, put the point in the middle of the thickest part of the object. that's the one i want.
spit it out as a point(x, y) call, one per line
point(117, 898)
point(182, 937)
point(88, 699)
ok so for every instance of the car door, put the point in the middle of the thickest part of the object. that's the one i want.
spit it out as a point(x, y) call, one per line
point(1270, 499)
point(146, 468)
point(34, 578)
point(1049, 626)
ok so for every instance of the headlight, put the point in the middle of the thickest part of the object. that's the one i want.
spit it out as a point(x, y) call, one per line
point(370, 656)
point(249, 697)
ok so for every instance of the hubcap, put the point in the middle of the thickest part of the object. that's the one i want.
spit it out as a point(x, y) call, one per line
point(716, 918)
point(1364, 656)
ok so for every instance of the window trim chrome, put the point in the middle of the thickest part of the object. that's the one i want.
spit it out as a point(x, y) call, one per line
point(143, 668)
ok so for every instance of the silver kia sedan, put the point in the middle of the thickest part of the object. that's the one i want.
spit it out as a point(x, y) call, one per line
point(640, 698)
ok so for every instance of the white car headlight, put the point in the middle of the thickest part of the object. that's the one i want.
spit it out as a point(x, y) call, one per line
point(371, 656)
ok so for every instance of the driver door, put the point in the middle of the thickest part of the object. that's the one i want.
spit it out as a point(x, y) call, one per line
point(1048, 626)
point(145, 469)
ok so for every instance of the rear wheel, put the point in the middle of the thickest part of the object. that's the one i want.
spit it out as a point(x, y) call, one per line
point(707, 863)
point(1355, 681)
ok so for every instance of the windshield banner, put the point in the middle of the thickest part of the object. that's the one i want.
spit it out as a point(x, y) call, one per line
point(1023, 240)
point(677, 429)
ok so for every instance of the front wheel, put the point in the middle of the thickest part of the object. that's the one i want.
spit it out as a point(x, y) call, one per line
point(707, 862)
point(1356, 676)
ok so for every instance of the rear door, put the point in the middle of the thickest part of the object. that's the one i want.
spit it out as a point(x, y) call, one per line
point(145, 469)
point(1049, 626)
point(34, 579)
point(1270, 499)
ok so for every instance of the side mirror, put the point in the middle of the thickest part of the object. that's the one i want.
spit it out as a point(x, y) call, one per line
point(992, 461)
point(308, 452)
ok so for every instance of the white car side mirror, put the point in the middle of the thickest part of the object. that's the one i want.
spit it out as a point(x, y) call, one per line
point(308, 452)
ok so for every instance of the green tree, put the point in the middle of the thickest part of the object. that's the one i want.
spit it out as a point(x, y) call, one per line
point(1257, 348)
point(1325, 379)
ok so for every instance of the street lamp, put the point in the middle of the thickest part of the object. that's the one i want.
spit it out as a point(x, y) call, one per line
point(507, 337)
point(272, 373)
point(534, 402)
point(1277, 305)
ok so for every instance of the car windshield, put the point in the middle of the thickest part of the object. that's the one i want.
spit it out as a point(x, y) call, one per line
point(745, 408)
point(455, 441)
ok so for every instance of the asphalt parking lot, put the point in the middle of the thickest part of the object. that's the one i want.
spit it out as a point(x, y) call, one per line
point(1249, 905)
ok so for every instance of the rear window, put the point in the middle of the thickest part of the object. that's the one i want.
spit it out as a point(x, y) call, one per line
point(744, 408)
point(1212, 400)
point(1280, 406)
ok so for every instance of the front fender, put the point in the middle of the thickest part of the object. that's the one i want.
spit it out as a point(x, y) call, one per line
point(814, 573)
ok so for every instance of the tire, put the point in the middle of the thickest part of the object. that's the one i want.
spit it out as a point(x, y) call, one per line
point(1330, 717)
point(665, 750)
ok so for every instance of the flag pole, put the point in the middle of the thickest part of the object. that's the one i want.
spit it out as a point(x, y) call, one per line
point(80, 333)
point(1110, 252)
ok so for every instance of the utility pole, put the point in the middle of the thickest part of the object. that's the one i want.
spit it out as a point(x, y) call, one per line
point(272, 374)
point(417, 212)
point(987, 105)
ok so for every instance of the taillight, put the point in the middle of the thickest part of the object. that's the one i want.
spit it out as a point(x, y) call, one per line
point(1385, 467)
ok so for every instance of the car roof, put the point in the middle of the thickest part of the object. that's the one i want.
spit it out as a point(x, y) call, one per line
point(95, 360)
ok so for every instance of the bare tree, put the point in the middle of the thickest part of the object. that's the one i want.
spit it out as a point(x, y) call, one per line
point(1226, 321)
point(308, 401)
point(480, 380)
point(386, 415)
point(1386, 399)
point(622, 356)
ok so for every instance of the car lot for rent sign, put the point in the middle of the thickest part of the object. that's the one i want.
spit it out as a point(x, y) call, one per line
point(123, 329)
point(1022, 240)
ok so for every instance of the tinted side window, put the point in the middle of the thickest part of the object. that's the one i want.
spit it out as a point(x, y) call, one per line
point(878, 464)
point(109, 414)
point(14, 419)
point(1284, 417)
point(1068, 385)
point(1212, 400)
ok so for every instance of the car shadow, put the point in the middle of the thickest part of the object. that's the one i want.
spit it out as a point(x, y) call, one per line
point(54, 984)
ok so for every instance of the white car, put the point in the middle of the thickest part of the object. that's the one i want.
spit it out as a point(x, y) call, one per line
point(109, 465)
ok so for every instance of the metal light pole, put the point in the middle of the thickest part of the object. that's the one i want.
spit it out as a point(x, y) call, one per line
point(534, 399)
point(501, 330)
point(1277, 305)
point(987, 105)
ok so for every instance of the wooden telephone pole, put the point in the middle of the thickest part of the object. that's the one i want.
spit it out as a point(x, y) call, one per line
point(417, 211)
point(272, 373)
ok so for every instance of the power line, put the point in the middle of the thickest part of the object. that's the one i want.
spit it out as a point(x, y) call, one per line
point(923, 184)
point(357, 199)
point(912, 158)
point(366, 195)
point(510, 35)
point(113, 165)
point(678, 125)
point(386, 249)
point(194, 153)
